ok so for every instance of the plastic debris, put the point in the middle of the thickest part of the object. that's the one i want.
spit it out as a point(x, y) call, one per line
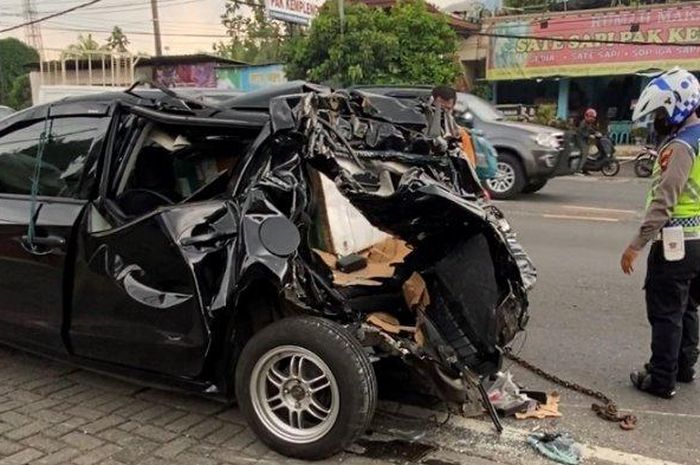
point(506, 397)
point(559, 447)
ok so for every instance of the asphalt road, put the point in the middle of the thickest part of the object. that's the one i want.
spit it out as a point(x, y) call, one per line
point(588, 320)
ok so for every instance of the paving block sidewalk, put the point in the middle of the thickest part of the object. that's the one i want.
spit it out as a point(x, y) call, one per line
point(52, 413)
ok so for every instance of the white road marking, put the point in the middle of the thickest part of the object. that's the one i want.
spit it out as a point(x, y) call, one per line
point(599, 209)
point(597, 179)
point(583, 218)
point(619, 457)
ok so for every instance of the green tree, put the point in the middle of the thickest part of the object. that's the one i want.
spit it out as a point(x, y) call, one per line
point(254, 37)
point(118, 41)
point(20, 95)
point(405, 45)
point(14, 56)
point(83, 48)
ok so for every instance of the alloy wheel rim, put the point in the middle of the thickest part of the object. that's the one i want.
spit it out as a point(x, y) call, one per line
point(295, 394)
point(504, 179)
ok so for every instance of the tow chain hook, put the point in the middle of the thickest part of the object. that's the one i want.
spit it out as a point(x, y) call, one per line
point(607, 411)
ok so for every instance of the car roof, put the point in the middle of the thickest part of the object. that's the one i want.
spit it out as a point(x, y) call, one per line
point(99, 104)
point(259, 100)
point(412, 92)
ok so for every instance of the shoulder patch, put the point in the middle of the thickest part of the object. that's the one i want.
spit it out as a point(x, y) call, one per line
point(665, 157)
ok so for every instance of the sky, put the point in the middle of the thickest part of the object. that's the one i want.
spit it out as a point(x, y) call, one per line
point(183, 23)
point(177, 17)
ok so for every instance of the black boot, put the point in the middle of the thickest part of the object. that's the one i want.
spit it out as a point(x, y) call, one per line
point(645, 383)
point(686, 375)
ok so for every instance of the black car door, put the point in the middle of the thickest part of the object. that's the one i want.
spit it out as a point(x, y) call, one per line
point(136, 298)
point(32, 263)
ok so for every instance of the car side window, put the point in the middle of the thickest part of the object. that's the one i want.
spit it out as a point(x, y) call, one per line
point(64, 161)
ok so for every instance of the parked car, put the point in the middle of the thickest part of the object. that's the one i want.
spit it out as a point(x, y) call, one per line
point(5, 111)
point(528, 154)
point(169, 241)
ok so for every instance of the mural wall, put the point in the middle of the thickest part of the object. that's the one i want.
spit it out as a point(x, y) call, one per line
point(250, 78)
point(193, 75)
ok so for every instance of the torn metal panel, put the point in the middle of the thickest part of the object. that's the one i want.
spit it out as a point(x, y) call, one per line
point(434, 203)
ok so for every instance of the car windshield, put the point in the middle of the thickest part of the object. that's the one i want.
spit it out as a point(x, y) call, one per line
point(479, 107)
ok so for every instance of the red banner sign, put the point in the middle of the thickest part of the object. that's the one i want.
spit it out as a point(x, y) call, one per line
point(538, 55)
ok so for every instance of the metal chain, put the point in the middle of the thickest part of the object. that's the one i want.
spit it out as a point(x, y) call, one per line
point(607, 411)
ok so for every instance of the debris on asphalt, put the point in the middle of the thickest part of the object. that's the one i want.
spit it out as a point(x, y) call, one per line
point(559, 447)
point(547, 410)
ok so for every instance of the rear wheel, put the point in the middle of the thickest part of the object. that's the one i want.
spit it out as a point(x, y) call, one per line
point(510, 177)
point(611, 168)
point(306, 387)
point(643, 166)
point(534, 187)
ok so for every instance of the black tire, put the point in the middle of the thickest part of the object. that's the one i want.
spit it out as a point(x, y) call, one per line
point(611, 168)
point(534, 187)
point(497, 187)
point(643, 166)
point(343, 356)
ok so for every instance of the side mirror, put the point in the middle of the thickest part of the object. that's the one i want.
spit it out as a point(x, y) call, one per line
point(466, 119)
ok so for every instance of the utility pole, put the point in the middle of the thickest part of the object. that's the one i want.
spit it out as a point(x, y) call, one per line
point(156, 27)
point(32, 32)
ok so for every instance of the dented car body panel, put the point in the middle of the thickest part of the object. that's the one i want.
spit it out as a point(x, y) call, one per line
point(164, 283)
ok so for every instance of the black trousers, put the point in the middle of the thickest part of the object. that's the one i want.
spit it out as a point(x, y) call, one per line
point(673, 295)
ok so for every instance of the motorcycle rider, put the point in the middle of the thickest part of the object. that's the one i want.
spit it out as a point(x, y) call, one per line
point(586, 130)
point(672, 224)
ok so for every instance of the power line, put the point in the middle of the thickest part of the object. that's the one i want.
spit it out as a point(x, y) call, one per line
point(587, 41)
point(147, 33)
point(119, 8)
point(44, 18)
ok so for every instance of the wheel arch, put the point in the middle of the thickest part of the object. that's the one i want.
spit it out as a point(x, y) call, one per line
point(511, 151)
point(258, 305)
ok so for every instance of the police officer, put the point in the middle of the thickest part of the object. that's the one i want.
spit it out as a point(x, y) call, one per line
point(672, 225)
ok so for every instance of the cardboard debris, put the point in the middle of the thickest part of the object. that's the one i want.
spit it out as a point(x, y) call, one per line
point(381, 259)
point(548, 410)
point(388, 323)
point(415, 292)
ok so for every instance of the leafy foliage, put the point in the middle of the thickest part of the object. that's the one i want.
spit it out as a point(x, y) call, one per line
point(14, 56)
point(20, 95)
point(483, 90)
point(404, 45)
point(546, 113)
point(118, 41)
point(83, 47)
point(254, 39)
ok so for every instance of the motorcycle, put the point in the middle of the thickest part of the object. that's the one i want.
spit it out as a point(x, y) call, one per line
point(604, 159)
point(644, 162)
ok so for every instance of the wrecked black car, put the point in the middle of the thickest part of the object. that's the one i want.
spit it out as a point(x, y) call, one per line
point(186, 245)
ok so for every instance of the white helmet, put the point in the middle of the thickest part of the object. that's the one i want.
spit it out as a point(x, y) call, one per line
point(677, 91)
